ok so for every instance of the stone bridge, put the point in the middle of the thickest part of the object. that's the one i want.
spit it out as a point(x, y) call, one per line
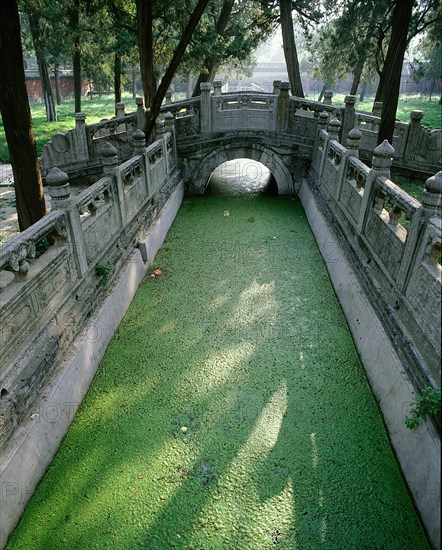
point(66, 282)
point(276, 129)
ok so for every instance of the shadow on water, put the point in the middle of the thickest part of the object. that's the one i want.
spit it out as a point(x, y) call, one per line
point(242, 342)
point(241, 178)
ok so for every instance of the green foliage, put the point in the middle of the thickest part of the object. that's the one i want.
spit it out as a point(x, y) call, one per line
point(104, 269)
point(426, 404)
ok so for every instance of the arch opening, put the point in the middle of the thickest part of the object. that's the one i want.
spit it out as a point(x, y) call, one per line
point(241, 177)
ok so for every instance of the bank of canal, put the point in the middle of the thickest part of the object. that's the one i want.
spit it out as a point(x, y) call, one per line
point(231, 410)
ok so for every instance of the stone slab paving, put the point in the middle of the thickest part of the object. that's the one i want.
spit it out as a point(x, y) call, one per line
point(231, 410)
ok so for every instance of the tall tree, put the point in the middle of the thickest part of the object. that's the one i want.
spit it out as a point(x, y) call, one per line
point(16, 115)
point(207, 72)
point(392, 70)
point(74, 24)
point(289, 45)
point(173, 66)
point(43, 69)
point(146, 50)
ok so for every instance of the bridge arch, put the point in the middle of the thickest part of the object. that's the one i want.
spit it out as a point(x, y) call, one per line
point(206, 165)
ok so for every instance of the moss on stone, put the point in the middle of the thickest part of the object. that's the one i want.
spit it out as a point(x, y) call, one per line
point(242, 341)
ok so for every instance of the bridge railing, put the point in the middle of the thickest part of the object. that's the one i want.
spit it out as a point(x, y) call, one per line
point(53, 274)
point(416, 147)
point(399, 237)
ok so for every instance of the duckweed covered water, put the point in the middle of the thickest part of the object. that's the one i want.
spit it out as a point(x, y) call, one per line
point(241, 340)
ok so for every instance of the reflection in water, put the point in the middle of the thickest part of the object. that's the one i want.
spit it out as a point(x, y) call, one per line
point(241, 177)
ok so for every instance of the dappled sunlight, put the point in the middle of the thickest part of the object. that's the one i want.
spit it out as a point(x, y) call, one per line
point(217, 368)
point(236, 507)
point(314, 450)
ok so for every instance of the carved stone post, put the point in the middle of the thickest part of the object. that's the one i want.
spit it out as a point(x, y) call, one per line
point(354, 142)
point(168, 97)
point(217, 87)
point(377, 111)
point(59, 188)
point(283, 107)
point(414, 134)
point(322, 121)
point(169, 122)
point(59, 191)
point(418, 245)
point(333, 128)
point(377, 108)
point(206, 107)
point(82, 152)
point(349, 116)
point(276, 87)
point(381, 162)
point(109, 159)
point(120, 110)
point(160, 129)
point(141, 117)
point(432, 197)
point(139, 141)
point(328, 94)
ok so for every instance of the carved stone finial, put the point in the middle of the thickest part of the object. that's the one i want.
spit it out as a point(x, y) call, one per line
point(107, 150)
point(284, 87)
point(205, 86)
point(383, 157)
point(109, 158)
point(80, 118)
point(333, 128)
point(59, 188)
point(432, 197)
point(276, 87)
point(416, 116)
point(56, 177)
point(139, 141)
point(168, 97)
point(377, 108)
point(328, 94)
point(217, 86)
point(323, 119)
point(350, 99)
point(354, 140)
point(140, 102)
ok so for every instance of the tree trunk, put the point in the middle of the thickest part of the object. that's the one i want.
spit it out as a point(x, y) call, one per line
point(321, 93)
point(43, 70)
point(189, 86)
point(173, 65)
point(208, 70)
point(16, 115)
point(433, 82)
point(391, 73)
point(357, 76)
point(57, 84)
point(134, 84)
point(363, 91)
point(145, 48)
point(117, 77)
point(74, 21)
point(290, 53)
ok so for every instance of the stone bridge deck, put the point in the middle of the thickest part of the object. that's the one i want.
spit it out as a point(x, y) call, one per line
point(231, 409)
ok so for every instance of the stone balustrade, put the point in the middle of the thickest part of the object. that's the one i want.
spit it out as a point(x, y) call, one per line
point(397, 237)
point(77, 151)
point(49, 285)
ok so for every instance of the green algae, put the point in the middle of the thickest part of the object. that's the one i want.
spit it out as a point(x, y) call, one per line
point(242, 341)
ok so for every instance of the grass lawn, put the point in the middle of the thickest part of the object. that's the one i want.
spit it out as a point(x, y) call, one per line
point(95, 109)
point(432, 110)
point(231, 410)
